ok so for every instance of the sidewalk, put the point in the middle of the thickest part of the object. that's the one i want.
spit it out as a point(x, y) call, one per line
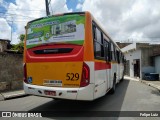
point(155, 84)
point(12, 94)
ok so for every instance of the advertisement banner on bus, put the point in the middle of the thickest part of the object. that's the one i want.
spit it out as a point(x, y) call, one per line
point(56, 29)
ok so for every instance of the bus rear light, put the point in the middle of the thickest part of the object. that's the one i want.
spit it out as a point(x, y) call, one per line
point(85, 76)
point(25, 73)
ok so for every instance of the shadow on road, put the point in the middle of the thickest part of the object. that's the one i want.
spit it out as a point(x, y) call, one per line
point(104, 105)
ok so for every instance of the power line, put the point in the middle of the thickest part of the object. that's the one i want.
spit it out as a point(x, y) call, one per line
point(10, 14)
point(23, 10)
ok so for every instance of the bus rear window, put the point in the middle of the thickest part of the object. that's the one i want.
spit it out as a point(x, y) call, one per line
point(53, 51)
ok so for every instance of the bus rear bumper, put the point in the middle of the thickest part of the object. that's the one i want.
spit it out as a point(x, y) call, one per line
point(83, 93)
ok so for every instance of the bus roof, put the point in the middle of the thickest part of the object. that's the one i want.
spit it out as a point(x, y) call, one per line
point(70, 13)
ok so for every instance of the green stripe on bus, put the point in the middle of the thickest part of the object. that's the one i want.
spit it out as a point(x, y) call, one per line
point(77, 42)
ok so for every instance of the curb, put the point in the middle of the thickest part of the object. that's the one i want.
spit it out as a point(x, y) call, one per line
point(133, 79)
point(1, 97)
point(144, 82)
point(11, 96)
point(151, 84)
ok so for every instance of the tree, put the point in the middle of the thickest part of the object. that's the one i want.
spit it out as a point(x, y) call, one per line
point(21, 37)
point(20, 46)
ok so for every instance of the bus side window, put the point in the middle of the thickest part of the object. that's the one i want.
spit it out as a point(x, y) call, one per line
point(112, 52)
point(98, 43)
point(107, 50)
point(94, 32)
point(118, 56)
point(102, 46)
point(115, 54)
point(99, 36)
point(121, 57)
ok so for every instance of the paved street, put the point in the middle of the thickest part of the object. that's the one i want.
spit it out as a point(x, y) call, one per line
point(129, 96)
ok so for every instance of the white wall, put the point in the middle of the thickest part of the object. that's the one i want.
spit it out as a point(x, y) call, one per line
point(129, 47)
point(131, 55)
point(157, 64)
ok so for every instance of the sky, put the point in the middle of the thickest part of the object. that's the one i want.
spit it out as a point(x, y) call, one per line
point(123, 20)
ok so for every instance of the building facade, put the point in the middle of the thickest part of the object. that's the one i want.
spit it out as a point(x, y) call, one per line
point(141, 58)
point(4, 45)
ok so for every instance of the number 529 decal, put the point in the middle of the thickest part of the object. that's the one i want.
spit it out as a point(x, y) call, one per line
point(72, 76)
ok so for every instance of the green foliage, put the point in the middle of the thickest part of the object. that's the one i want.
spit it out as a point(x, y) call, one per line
point(20, 46)
point(21, 37)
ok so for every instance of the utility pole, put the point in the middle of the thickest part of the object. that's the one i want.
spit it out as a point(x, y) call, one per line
point(47, 8)
point(11, 30)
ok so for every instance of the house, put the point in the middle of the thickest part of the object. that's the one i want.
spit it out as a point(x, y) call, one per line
point(142, 58)
point(4, 45)
point(156, 58)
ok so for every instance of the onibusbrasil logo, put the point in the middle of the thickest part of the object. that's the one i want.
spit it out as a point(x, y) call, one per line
point(21, 114)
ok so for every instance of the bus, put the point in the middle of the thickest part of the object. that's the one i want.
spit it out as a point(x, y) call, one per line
point(70, 56)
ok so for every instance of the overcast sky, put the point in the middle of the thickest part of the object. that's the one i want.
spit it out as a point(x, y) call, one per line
point(134, 20)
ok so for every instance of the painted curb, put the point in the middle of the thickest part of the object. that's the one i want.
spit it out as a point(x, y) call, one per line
point(133, 79)
point(1, 97)
point(13, 96)
point(151, 84)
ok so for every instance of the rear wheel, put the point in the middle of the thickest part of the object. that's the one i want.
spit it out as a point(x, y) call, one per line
point(57, 99)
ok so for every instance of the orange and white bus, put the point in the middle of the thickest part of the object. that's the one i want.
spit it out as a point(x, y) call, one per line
point(70, 56)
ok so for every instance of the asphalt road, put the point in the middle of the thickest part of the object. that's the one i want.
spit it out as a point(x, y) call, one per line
point(129, 96)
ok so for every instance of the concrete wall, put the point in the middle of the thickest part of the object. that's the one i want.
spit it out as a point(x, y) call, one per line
point(146, 53)
point(3, 45)
point(11, 71)
point(157, 64)
point(147, 60)
point(131, 55)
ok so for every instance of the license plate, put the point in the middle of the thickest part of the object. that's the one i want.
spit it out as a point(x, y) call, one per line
point(51, 93)
point(57, 83)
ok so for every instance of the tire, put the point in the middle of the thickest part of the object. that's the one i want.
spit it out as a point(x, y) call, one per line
point(112, 91)
point(56, 99)
point(122, 77)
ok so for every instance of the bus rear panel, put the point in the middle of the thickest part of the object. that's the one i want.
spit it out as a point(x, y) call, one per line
point(54, 63)
point(69, 56)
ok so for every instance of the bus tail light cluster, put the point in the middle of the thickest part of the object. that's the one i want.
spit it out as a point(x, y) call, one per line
point(25, 73)
point(85, 76)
